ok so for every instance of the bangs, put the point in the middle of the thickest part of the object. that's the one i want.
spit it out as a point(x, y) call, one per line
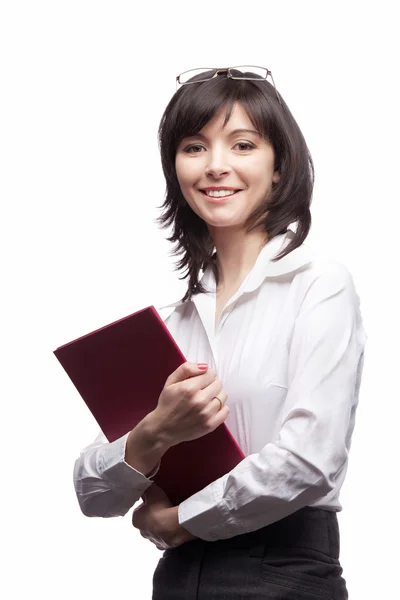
point(197, 104)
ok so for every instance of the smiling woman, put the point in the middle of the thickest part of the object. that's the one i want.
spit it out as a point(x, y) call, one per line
point(232, 133)
point(275, 339)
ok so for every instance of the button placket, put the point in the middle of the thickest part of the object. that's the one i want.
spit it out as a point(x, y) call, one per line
point(223, 317)
point(205, 306)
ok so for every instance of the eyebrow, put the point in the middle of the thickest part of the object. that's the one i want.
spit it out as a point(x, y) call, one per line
point(232, 133)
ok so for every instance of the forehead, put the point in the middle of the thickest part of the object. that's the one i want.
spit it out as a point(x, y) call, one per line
point(239, 119)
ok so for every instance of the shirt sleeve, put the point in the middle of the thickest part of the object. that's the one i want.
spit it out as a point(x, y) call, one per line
point(106, 485)
point(326, 356)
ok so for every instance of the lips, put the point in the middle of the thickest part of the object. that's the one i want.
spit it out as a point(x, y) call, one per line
point(219, 189)
point(213, 189)
point(234, 192)
point(220, 199)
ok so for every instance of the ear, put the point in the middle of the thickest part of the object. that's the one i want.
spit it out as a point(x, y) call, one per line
point(276, 177)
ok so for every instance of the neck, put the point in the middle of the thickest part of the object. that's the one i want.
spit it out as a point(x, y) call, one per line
point(236, 256)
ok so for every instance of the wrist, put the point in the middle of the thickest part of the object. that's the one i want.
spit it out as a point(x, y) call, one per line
point(185, 536)
point(145, 446)
point(155, 425)
point(180, 534)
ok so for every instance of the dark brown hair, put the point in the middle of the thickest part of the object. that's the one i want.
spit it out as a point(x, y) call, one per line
point(189, 110)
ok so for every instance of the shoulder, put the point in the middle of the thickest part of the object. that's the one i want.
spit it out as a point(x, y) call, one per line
point(328, 271)
point(324, 278)
point(327, 295)
point(324, 270)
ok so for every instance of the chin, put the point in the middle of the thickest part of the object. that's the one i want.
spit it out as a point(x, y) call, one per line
point(225, 224)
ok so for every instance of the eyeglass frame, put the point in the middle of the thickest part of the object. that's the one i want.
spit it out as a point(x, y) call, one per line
point(229, 76)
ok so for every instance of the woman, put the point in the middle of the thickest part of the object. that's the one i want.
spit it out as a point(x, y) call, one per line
point(279, 329)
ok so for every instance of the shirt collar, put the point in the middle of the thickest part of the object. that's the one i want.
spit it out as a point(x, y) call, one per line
point(264, 267)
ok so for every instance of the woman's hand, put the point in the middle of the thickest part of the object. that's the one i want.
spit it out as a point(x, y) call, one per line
point(157, 520)
point(187, 408)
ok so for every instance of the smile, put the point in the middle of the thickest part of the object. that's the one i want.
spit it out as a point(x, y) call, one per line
point(219, 195)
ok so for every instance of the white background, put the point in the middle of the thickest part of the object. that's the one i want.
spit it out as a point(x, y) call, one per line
point(83, 87)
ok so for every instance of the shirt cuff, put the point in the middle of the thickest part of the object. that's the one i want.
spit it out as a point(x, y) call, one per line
point(113, 467)
point(205, 514)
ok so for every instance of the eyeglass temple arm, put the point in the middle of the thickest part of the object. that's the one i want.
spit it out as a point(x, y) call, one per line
point(276, 91)
point(224, 69)
point(217, 72)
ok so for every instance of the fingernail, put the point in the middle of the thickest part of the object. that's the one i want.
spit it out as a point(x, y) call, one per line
point(202, 366)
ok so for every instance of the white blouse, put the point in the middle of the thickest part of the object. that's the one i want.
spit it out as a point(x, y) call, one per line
point(289, 350)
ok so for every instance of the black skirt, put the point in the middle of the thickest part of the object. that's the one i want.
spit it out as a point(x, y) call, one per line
point(296, 558)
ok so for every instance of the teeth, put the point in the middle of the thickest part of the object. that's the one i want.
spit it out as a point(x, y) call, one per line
point(220, 193)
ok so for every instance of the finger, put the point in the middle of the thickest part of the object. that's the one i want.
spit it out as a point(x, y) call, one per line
point(219, 400)
point(136, 522)
point(190, 370)
point(139, 518)
point(213, 390)
point(219, 417)
point(222, 395)
point(184, 371)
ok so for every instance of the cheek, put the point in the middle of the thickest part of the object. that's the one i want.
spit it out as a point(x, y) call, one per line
point(187, 171)
point(261, 176)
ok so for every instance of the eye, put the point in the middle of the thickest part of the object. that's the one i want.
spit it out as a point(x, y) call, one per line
point(190, 148)
point(247, 144)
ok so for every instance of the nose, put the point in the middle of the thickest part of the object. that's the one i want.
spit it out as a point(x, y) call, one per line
point(217, 164)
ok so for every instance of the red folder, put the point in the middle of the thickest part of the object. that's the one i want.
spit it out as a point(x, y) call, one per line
point(120, 370)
